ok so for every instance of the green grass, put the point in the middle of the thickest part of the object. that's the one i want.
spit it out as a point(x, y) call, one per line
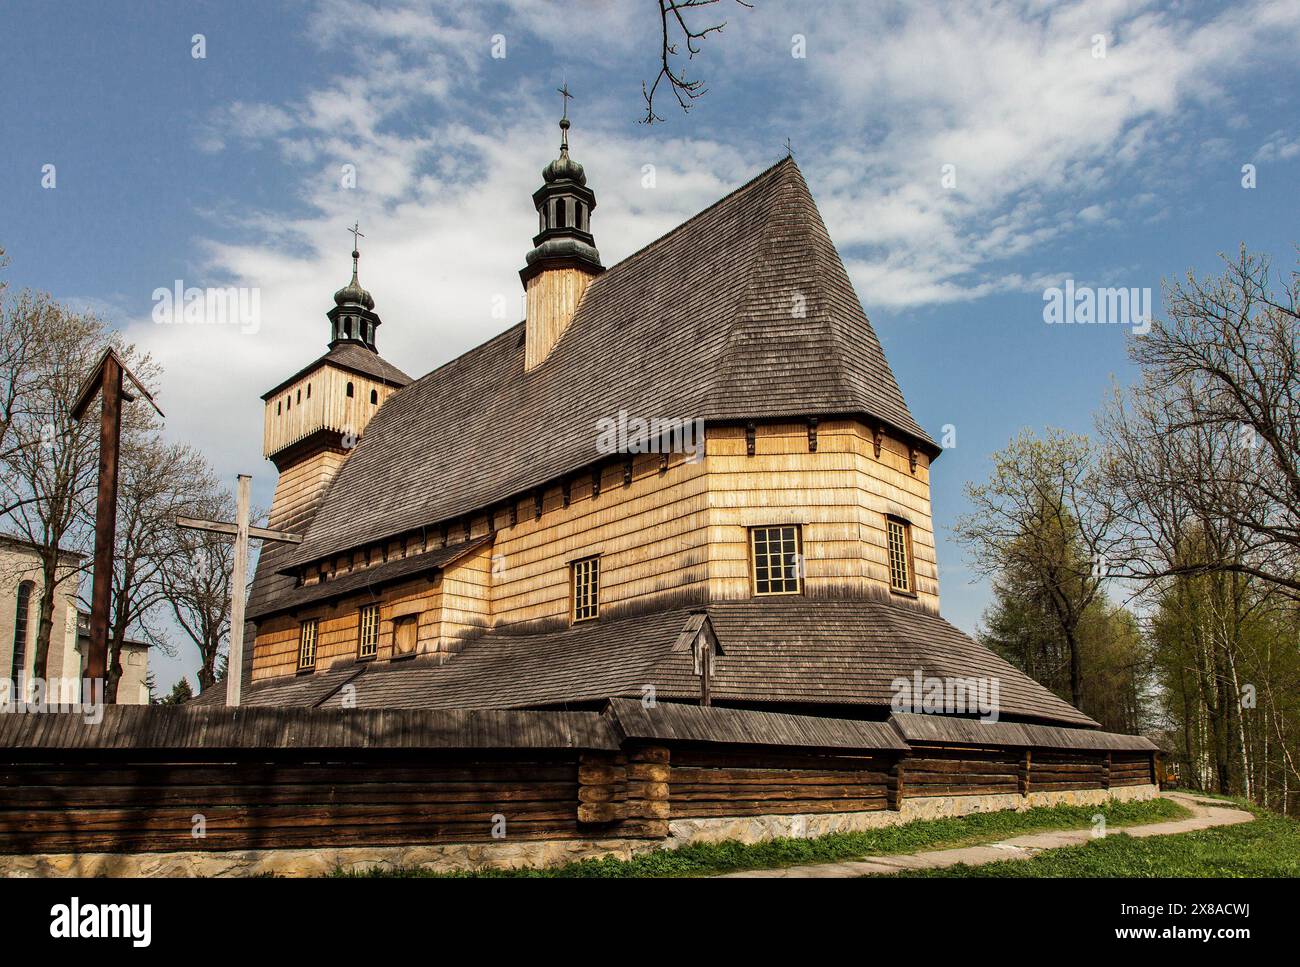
point(708, 859)
point(1267, 847)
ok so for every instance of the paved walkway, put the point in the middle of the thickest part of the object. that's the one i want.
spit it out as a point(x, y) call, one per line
point(1206, 814)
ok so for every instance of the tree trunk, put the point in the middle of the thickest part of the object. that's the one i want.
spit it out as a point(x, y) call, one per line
point(1076, 668)
point(45, 622)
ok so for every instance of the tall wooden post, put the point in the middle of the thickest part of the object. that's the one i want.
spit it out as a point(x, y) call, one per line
point(110, 437)
point(238, 581)
point(105, 381)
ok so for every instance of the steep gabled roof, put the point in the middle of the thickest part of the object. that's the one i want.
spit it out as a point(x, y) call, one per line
point(743, 312)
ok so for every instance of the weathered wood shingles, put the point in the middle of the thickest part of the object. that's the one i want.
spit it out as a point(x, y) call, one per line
point(269, 727)
point(781, 650)
point(667, 332)
point(949, 729)
point(375, 577)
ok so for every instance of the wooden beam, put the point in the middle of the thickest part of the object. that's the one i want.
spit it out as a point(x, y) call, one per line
point(238, 582)
point(110, 438)
point(220, 527)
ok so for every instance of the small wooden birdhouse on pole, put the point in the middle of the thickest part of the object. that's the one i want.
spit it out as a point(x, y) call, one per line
point(105, 380)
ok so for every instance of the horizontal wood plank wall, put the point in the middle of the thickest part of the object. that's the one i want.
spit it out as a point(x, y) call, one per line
point(1131, 769)
point(841, 494)
point(963, 772)
point(650, 536)
point(466, 601)
point(133, 806)
point(1053, 771)
point(338, 635)
point(328, 408)
point(708, 783)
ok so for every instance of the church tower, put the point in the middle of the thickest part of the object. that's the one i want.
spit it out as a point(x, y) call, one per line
point(312, 420)
point(564, 259)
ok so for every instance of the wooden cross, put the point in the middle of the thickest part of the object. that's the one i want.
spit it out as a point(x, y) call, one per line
point(105, 381)
point(356, 234)
point(239, 575)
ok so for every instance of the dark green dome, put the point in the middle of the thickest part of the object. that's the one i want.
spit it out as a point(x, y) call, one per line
point(353, 293)
point(564, 167)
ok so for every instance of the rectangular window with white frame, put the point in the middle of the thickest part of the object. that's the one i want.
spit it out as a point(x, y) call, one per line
point(776, 555)
point(902, 576)
point(585, 586)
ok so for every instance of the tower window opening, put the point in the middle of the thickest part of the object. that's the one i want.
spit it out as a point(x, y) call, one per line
point(374, 397)
point(349, 391)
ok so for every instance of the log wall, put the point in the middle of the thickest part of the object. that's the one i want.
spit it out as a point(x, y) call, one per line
point(123, 805)
point(961, 772)
point(713, 783)
point(124, 801)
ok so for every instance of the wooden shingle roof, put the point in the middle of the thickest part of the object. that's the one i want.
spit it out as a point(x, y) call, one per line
point(790, 651)
point(743, 312)
point(354, 359)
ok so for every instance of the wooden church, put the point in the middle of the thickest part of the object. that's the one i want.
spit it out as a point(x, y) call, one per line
point(656, 564)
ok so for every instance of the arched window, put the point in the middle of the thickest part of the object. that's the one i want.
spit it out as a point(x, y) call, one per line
point(24, 602)
point(349, 390)
point(374, 397)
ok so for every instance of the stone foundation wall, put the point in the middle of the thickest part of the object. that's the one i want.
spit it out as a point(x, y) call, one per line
point(448, 857)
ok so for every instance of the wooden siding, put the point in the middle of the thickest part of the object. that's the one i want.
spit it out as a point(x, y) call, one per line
point(328, 408)
point(841, 495)
point(650, 536)
point(552, 299)
point(748, 783)
point(141, 806)
point(301, 486)
point(1132, 769)
point(961, 772)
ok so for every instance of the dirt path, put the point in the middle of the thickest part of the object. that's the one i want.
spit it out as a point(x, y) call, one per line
point(1206, 813)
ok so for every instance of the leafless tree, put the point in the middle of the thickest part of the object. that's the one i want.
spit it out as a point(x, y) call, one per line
point(1210, 438)
point(675, 30)
point(198, 576)
point(50, 459)
point(156, 485)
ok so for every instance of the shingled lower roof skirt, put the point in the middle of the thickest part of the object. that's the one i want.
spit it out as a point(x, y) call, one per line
point(915, 727)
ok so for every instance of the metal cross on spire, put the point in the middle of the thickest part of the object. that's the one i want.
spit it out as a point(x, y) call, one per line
point(564, 92)
point(356, 234)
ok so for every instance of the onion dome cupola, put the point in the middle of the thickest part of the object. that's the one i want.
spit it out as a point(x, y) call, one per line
point(564, 260)
point(353, 318)
point(564, 205)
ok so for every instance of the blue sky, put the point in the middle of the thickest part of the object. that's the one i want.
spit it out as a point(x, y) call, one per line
point(1120, 170)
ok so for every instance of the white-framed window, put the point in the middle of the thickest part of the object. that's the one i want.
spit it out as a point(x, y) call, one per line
point(898, 535)
point(586, 588)
point(777, 555)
